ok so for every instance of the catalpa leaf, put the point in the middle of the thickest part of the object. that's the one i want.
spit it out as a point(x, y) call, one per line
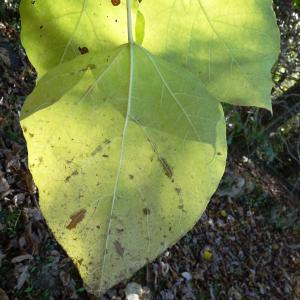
point(127, 142)
point(228, 44)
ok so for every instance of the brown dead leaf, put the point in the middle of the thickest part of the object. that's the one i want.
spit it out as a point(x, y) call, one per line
point(22, 277)
point(4, 186)
point(21, 258)
point(3, 295)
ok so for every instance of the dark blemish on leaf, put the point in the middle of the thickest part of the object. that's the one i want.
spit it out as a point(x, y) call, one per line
point(40, 160)
point(178, 190)
point(167, 168)
point(96, 150)
point(170, 228)
point(119, 248)
point(219, 153)
point(146, 211)
point(83, 50)
point(25, 129)
point(31, 135)
point(89, 89)
point(107, 141)
point(76, 218)
point(69, 161)
point(33, 2)
point(98, 226)
point(80, 261)
point(67, 179)
point(115, 2)
point(88, 67)
point(105, 155)
point(42, 26)
point(130, 176)
point(181, 207)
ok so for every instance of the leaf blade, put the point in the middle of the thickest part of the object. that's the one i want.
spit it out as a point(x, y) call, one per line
point(161, 167)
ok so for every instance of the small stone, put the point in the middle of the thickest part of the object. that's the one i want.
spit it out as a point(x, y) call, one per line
point(187, 276)
point(133, 291)
point(4, 186)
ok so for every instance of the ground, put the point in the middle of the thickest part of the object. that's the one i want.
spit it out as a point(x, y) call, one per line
point(245, 246)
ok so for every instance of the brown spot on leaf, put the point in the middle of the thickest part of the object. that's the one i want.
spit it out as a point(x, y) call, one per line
point(146, 211)
point(88, 67)
point(131, 176)
point(69, 161)
point(181, 207)
point(83, 50)
point(67, 179)
point(167, 168)
point(76, 218)
point(119, 248)
point(115, 2)
point(96, 150)
point(178, 190)
point(89, 89)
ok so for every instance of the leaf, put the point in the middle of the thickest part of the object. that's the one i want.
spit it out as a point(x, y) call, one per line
point(229, 45)
point(122, 176)
point(127, 145)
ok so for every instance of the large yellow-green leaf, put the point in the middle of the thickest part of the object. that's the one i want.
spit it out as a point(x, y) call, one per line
point(126, 150)
point(230, 45)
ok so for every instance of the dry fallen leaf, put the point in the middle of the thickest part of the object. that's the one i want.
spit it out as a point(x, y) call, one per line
point(22, 277)
point(20, 258)
point(3, 295)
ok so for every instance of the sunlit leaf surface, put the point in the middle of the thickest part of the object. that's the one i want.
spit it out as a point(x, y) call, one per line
point(230, 45)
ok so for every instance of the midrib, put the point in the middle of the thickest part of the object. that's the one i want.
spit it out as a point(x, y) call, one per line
point(131, 71)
